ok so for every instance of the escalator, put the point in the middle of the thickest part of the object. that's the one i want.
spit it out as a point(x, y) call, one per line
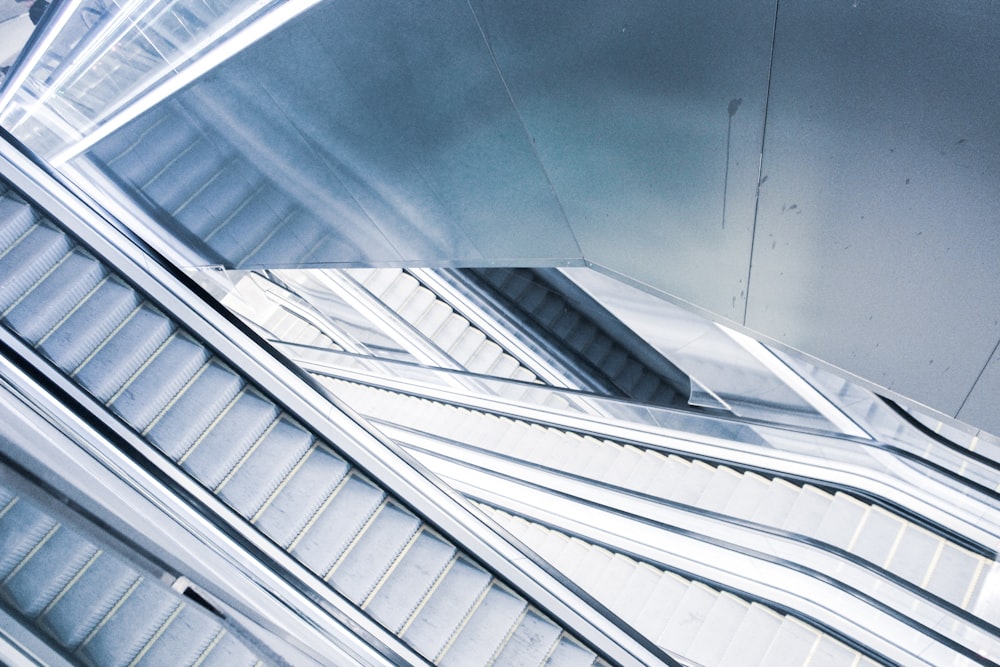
point(209, 195)
point(96, 602)
point(90, 323)
point(90, 60)
point(702, 623)
point(858, 525)
point(551, 307)
point(911, 568)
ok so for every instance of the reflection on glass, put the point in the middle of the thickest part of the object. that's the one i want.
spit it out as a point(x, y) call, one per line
point(96, 57)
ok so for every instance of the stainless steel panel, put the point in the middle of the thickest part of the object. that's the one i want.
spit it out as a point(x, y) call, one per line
point(629, 135)
point(393, 122)
point(878, 244)
point(648, 119)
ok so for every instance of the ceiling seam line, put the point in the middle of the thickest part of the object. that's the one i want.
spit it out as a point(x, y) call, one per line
point(760, 163)
point(524, 126)
point(978, 377)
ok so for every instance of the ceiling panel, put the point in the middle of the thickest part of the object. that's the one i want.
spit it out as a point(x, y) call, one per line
point(878, 237)
point(647, 117)
point(398, 106)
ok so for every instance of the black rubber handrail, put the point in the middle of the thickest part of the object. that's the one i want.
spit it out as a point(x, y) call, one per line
point(937, 437)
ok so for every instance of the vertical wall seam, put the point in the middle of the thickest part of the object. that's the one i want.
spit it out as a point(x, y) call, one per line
point(978, 377)
point(760, 164)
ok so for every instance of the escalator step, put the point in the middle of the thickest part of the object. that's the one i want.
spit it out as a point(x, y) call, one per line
point(140, 400)
point(530, 643)
point(191, 413)
point(568, 653)
point(228, 440)
point(302, 496)
point(32, 255)
point(486, 629)
point(89, 324)
point(409, 580)
point(124, 352)
point(51, 299)
point(122, 634)
point(79, 609)
point(259, 474)
point(337, 524)
point(40, 580)
point(446, 608)
point(374, 552)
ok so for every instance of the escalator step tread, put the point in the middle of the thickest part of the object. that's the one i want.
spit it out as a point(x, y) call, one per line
point(191, 170)
point(831, 653)
point(286, 245)
point(662, 602)
point(747, 495)
point(374, 552)
point(124, 352)
point(408, 582)
point(791, 645)
point(635, 592)
point(617, 574)
point(260, 473)
point(89, 599)
point(38, 582)
point(301, 498)
point(248, 225)
point(954, 575)
point(130, 626)
point(446, 607)
point(89, 325)
point(229, 652)
point(338, 524)
point(33, 254)
point(228, 439)
point(52, 298)
point(401, 289)
point(191, 413)
point(530, 643)
point(719, 489)
point(416, 306)
point(22, 528)
point(721, 622)
point(751, 640)
point(568, 653)
point(210, 206)
point(877, 535)
point(187, 637)
point(809, 510)
point(777, 503)
point(378, 281)
point(687, 619)
point(16, 217)
point(486, 629)
point(147, 393)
